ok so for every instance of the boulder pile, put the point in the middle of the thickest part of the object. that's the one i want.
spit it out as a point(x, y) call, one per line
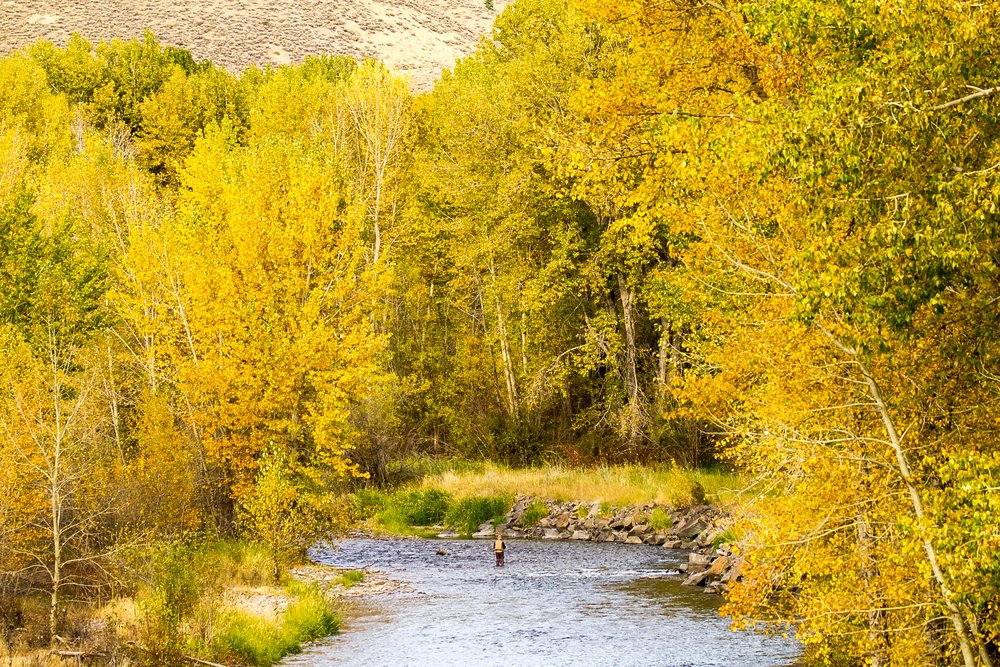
point(698, 529)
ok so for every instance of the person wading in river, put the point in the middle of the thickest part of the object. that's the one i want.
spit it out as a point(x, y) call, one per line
point(498, 548)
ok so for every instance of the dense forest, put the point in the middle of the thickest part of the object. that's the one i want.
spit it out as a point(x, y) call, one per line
point(762, 232)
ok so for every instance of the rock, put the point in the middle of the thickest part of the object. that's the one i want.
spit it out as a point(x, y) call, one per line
point(672, 543)
point(517, 511)
point(734, 573)
point(633, 539)
point(545, 523)
point(708, 536)
point(692, 528)
point(627, 523)
point(448, 534)
point(719, 566)
point(484, 527)
point(640, 530)
point(699, 559)
point(696, 579)
point(606, 536)
point(562, 521)
point(697, 563)
point(656, 539)
point(441, 552)
point(550, 534)
point(714, 587)
point(580, 535)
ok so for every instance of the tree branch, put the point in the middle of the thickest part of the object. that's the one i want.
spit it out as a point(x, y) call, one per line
point(980, 92)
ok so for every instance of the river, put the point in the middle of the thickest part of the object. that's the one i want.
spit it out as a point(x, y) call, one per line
point(555, 603)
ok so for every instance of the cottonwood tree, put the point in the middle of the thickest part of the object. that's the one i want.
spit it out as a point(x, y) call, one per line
point(47, 401)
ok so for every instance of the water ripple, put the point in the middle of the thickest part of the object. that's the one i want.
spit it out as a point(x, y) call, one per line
point(554, 604)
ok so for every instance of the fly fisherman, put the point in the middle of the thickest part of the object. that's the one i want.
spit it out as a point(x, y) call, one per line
point(499, 547)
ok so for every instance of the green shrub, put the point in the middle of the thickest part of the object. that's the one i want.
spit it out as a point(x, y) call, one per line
point(351, 577)
point(424, 507)
point(174, 591)
point(369, 502)
point(659, 519)
point(534, 513)
point(468, 514)
point(249, 640)
point(257, 641)
point(725, 538)
point(309, 617)
point(405, 509)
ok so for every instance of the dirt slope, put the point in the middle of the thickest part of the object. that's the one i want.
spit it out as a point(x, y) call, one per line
point(416, 36)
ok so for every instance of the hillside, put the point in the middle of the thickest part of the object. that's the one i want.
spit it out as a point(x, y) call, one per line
point(416, 36)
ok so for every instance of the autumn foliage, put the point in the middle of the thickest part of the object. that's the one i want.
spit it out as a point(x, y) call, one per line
point(759, 232)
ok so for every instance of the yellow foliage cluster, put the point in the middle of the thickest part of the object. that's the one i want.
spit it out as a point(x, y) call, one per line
point(191, 278)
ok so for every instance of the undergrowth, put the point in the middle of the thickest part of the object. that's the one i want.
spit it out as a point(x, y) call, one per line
point(186, 608)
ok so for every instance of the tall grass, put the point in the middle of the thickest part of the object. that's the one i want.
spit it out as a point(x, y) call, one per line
point(186, 608)
point(468, 494)
point(616, 485)
point(403, 511)
point(467, 514)
point(261, 642)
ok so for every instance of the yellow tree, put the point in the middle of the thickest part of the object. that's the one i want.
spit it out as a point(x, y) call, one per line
point(849, 266)
point(261, 281)
point(48, 399)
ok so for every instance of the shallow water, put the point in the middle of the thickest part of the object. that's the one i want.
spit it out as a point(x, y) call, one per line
point(555, 603)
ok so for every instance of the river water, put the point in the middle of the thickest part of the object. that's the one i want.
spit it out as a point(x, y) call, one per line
point(555, 603)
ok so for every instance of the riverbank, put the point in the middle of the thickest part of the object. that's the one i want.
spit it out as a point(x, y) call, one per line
point(207, 603)
point(660, 506)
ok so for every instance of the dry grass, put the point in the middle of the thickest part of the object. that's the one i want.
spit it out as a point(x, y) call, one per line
point(616, 485)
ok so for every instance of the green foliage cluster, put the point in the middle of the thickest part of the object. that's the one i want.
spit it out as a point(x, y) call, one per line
point(534, 513)
point(182, 613)
point(351, 578)
point(467, 514)
point(405, 511)
point(256, 641)
point(402, 510)
point(281, 515)
point(659, 519)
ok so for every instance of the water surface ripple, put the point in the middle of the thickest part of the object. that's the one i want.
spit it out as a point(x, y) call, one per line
point(554, 604)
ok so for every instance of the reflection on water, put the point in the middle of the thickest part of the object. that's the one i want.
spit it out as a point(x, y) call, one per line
point(555, 603)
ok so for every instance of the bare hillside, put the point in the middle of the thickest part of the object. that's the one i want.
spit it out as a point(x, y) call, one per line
point(416, 36)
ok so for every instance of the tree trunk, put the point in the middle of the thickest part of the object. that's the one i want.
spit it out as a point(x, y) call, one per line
point(666, 334)
point(55, 499)
point(505, 353)
point(962, 632)
point(876, 623)
point(903, 465)
point(634, 413)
